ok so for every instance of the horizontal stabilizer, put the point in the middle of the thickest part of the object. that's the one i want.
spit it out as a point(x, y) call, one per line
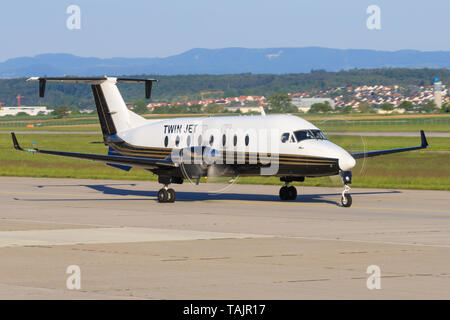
point(113, 113)
point(92, 81)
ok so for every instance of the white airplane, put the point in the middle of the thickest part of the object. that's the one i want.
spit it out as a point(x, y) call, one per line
point(285, 146)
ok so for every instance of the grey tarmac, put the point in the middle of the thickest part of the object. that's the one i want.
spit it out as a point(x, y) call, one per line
point(219, 241)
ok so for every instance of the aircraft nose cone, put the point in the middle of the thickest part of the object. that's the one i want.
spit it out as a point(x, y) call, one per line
point(346, 162)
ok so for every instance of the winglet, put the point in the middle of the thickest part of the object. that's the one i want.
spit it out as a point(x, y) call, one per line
point(424, 139)
point(15, 142)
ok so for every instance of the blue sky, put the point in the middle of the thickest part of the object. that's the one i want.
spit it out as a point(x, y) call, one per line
point(113, 28)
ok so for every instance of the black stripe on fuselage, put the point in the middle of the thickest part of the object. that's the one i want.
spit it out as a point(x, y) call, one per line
point(294, 170)
point(247, 158)
point(104, 115)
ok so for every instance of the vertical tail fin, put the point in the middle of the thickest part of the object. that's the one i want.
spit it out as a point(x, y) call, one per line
point(112, 111)
point(103, 111)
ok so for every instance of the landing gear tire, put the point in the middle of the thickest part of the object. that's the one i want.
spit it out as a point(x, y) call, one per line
point(292, 193)
point(284, 193)
point(288, 193)
point(346, 200)
point(163, 195)
point(172, 195)
point(166, 195)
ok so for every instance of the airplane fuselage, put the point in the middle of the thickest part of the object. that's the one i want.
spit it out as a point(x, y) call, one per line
point(249, 141)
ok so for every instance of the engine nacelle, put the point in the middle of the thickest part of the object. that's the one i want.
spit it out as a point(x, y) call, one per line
point(195, 162)
point(197, 155)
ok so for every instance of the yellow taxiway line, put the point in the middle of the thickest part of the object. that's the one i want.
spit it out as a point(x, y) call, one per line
point(226, 201)
point(323, 205)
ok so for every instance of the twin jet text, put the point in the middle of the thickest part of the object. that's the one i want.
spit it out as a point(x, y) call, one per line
point(180, 128)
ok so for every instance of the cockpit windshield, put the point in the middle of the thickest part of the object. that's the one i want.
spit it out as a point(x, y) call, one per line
point(300, 135)
point(309, 134)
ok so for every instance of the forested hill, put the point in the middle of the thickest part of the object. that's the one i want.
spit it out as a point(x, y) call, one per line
point(226, 61)
point(180, 87)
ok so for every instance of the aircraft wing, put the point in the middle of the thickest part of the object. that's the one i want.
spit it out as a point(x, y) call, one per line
point(424, 144)
point(147, 163)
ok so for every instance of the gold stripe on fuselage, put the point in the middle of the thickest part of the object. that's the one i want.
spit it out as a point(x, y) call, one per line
point(129, 147)
point(250, 158)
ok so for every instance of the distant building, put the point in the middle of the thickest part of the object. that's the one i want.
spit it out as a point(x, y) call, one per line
point(86, 110)
point(304, 104)
point(32, 111)
point(396, 110)
point(243, 109)
point(437, 90)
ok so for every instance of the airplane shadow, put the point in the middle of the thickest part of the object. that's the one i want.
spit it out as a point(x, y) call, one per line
point(187, 196)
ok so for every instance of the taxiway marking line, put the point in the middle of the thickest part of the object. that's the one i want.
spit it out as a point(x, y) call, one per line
point(414, 244)
point(324, 205)
point(227, 201)
point(74, 195)
point(22, 238)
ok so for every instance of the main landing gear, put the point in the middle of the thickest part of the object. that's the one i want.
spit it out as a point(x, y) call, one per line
point(166, 194)
point(288, 192)
point(346, 198)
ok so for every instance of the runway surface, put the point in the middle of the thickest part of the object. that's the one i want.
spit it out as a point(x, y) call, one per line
point(240, 243)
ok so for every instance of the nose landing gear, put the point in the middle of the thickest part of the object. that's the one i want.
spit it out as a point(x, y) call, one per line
point(346, 199)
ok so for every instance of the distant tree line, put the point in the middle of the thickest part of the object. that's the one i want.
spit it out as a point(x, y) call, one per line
point(174, 88)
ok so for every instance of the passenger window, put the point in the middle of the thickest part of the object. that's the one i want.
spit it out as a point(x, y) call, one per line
point(166, 141)
point(285, 137)
point(211, 140)
point(200, 142)
point(177, 141)
point(188, 141)
point(247, 140)
point(235, 140)
point(224, 140)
